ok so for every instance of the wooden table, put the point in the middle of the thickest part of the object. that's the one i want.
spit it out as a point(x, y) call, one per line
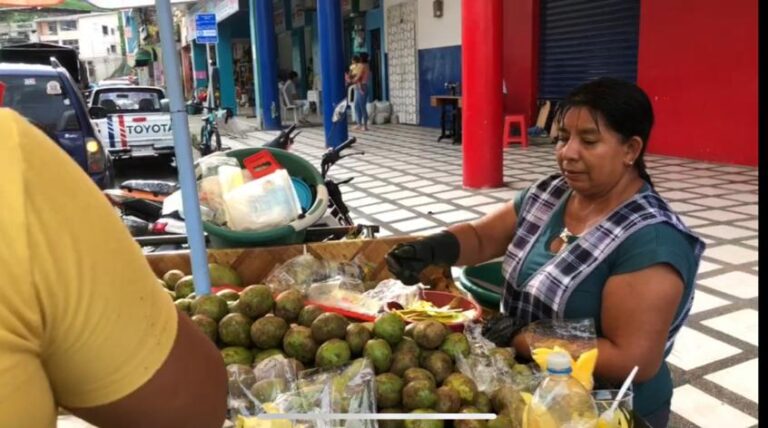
point(450, 105)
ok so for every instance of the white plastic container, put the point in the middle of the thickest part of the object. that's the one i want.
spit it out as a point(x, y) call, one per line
point(264, 203)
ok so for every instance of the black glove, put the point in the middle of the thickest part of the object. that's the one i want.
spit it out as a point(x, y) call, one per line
point(406, 261)
point(501, 329)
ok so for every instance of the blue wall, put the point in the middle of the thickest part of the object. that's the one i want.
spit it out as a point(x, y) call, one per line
point(436, 66)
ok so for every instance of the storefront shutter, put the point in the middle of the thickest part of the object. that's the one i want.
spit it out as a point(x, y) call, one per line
point(584, 39)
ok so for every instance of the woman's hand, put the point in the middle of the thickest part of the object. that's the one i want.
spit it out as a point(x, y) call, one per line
point(521, 345)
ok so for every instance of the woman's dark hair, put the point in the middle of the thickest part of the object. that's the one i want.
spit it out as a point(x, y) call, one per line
point(625, 108)
point(355, 58)
point(364, 58)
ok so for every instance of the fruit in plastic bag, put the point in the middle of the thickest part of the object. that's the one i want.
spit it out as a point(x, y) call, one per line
point(260, 355)
point(236, 355)
point(265, 391)
point(462, 384)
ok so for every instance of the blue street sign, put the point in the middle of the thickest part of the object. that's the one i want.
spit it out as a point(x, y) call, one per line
point(206, 32)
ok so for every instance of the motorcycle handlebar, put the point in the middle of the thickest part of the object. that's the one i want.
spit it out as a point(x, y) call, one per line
point(345, 145)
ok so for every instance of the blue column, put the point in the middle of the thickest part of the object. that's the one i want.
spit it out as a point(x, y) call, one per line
point(199, 64)
point(329, 27)
point(226, 68)
point(257, 110)
point(267, 50)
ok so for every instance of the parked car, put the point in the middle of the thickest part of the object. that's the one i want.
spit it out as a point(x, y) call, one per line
point(133, 121)
point(48, 97)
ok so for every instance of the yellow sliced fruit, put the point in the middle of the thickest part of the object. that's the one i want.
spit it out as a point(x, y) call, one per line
point(584, 367)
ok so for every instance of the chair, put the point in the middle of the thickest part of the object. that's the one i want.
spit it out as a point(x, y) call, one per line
point(287, 106)
point(519, 120)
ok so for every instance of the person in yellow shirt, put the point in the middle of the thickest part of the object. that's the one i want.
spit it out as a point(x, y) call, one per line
point(83, 322)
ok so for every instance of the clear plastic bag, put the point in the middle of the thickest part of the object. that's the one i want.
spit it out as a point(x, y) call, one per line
point(302, 271)
point(209, 189)
point(392, 290)
point(346, 389)
point(297, 273)
point(576, 337)
point(251, 389)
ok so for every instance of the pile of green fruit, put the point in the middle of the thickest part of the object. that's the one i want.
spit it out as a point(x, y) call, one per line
point(415, 366)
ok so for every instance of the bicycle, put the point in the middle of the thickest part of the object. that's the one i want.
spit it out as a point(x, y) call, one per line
point(210, 138)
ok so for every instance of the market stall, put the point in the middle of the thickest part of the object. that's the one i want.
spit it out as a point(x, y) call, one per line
point(321, 331)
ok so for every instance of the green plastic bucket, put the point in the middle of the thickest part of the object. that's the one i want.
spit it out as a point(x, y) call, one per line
point(293, 233)
point(488, 272)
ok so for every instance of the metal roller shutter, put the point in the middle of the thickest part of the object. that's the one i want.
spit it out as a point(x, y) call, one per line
point(584, 39)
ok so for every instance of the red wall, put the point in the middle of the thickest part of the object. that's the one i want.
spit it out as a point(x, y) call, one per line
point(697, 61)
point(520, 53)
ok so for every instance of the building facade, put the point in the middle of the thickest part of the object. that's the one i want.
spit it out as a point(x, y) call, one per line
point(95, 36)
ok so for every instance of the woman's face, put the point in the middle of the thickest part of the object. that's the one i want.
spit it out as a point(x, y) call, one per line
point(592, 157)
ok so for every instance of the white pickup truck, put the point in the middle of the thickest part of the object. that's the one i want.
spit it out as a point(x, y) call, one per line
point(133, 121)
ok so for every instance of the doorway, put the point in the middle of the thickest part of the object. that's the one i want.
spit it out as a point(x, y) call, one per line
point(375, 65)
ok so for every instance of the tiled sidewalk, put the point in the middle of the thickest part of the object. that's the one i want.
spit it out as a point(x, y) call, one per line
point(410, 184)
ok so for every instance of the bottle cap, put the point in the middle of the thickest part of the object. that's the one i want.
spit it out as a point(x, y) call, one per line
point(559, 363)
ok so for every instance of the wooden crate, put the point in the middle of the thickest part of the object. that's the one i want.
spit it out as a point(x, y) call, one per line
point(254, 264)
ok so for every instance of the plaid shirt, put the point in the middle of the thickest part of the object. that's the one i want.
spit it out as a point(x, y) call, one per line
point(546, 293)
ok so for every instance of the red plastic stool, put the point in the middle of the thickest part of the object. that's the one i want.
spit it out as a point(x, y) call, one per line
point(519, 120)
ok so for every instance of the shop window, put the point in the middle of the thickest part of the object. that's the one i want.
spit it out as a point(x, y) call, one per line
point(53, 29)
point(105, 30)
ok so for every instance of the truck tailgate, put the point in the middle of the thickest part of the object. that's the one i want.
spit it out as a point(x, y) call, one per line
point(138, 132)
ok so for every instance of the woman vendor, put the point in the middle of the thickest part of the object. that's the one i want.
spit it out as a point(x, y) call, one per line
point(594, 241)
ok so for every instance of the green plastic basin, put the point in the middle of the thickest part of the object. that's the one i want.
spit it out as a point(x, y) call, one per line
point(488, 272)
point(292, 233)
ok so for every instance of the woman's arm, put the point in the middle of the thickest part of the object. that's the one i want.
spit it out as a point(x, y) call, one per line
point(487, 237)
point(637, 311)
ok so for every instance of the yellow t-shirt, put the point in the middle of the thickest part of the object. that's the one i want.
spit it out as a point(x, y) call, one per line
point(83, 321)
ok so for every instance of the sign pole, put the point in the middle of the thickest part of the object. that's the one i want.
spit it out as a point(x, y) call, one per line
point(183, 148)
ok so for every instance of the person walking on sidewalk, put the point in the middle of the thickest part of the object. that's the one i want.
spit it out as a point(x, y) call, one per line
point(360, 81)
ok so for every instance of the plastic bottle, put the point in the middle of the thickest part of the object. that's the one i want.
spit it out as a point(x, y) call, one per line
point(561, 401)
